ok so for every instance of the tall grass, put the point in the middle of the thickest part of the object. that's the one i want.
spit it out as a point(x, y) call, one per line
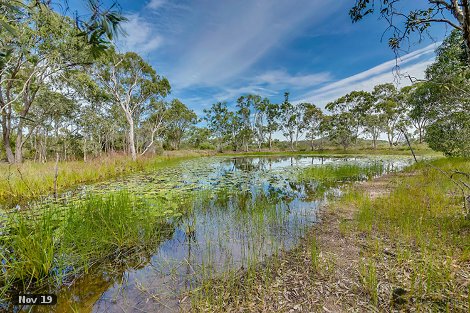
point(57, 245)
point(424, 217)
point(331, 173)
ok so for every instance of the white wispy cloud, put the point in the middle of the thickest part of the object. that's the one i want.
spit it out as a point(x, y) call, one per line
point(140, 36)
point(412, 64)
point(233, 35)
point(280, 78)
point(156, 4)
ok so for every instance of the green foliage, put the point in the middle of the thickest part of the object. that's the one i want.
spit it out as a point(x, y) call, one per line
point(450, 135)
point(58, 244)
point(178, 118)
point(403, 22)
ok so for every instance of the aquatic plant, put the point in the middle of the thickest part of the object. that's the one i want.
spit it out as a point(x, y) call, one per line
point(329, 173)
point(60, 243)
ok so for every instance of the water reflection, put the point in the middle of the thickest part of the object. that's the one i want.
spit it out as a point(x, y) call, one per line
point(243, 210)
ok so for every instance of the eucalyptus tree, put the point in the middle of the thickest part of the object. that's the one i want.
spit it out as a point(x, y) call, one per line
point(38, 44)
point(353, 103)
point(390, 105)
point(218, 119)
point(272, 121)
point(244, 116)
point(260, 107)
point(422, 99)
point(199, 137)
point(299, 122)
point(42, 47)
point(341, 129)
point(324, 128)
point(131, 83)
point(288, 120)
point(403, 23)
point(451, 135)
point(312, 117)
point(154, 124)
point(98, 31)
point(178, 119)
point(449, 77)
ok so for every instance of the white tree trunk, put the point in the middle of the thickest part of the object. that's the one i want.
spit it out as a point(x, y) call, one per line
point(131, 135)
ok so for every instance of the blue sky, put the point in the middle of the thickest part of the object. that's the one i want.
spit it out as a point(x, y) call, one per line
point(218, 50)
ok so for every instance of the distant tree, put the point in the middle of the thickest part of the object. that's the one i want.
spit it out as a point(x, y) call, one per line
point(199, 138)
point(404, 23)
point(272, 121)
point(372, 120)
point(245, 132)
point(178, 119)
point(324, 128)
point(354, 103)
point(260, 107)
point(131, 82)
point(421, 99)
point(218, 122)
point(342, 130)
point(288, 119)
point(390, 106)
point(312, 118)
point(299, 122)
point(155, 122)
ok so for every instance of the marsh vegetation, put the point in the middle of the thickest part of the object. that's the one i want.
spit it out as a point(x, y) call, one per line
point(164, 235)
point(106, 201)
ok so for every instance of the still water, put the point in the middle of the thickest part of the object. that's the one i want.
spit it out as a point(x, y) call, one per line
point(242, 210)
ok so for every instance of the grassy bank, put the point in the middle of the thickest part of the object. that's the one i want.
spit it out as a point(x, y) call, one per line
point(397, 243)
point(52, 247)
point(417, 242)
point(23, 182)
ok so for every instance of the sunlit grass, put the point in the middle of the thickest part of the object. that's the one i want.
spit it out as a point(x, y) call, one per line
point(424, 217)
point(332, 173)
point(19, 183)
point(60, 243)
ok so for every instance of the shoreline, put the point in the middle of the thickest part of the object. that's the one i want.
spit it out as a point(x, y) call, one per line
point(351, 261)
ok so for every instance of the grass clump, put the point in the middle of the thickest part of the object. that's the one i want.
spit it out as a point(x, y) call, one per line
point(314, 252)
point(331, 173)
point(59, 244)
point(368, 273)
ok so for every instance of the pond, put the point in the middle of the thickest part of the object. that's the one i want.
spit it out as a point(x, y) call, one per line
point(239, 212)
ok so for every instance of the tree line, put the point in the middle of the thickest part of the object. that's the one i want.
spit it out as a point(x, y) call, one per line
point(65, 90)
point(434, 110)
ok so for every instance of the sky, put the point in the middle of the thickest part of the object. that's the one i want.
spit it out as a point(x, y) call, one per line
point(213, 50)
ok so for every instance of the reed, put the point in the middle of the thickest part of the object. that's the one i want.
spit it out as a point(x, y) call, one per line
point(60, 244)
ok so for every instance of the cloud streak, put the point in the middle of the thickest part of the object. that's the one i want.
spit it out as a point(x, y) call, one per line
point(140, 36)
point(235, 34)
point(413, 64)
